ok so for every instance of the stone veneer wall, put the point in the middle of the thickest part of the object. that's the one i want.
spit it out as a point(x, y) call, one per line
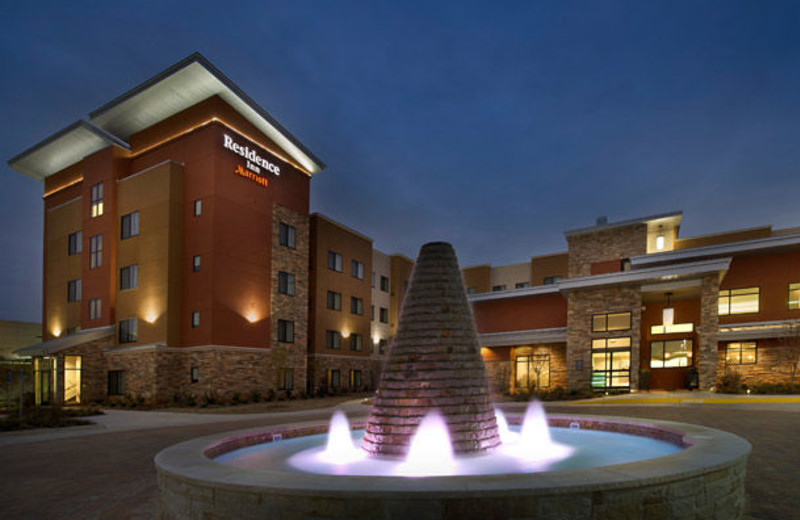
point(499, 375)
point(581, 306)
point(771, 366)
point(558, 365)
point(321, 363)
point(602, 246)
point(706, 363)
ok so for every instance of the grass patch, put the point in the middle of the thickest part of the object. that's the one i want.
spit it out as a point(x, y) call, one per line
point(47, 417)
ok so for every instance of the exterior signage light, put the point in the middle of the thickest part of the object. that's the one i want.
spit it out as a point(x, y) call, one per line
point(247, 174)
point(254, 161)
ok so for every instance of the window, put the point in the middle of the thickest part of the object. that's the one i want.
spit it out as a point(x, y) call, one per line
point(675, 328)
point(522, 285)
point(371, 313)
point(116, 382)
point(333, 340)
point(198, 207)
point(382, 346)
point(472, 290)
point(287, 379)
point(195, 319)
point(373, 280)
point(357, 269)
point(285, 331)
point(334, 261)
point(127, 330)
point(384, 284)
point(333, 378)
point(384, 315)
point(739, 301)
point(97, 200)
point(130, 225)
point(95, 308)
point(551, 280)
point(794, 296)
point(287, 236)
point(533, 371)
point(496, 288)
point(196, 263)
point(611, 363)
point(609, 322)
point(744, 353)
point(356, 342)
point(194, 375)
point(355, 379)
point(96, 251)
point(334, 301)
point(356, 305)
point(75, 243)
point(74, 291)
point(286, 283)
point(129, 277)
point(669, 354)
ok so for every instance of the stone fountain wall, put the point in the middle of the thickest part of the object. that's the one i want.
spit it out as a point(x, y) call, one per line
point(434, 363)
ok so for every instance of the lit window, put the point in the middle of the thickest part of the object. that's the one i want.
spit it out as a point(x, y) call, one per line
point(287, 236)
point(128, 330)
point(285, 331)
point(333, 340)
point(355, 379)
point(96, 251)
point(286, 283)
point(116, 382)
point(609, 322)
point(357, 269)
point(356, 342)
point(195, 319)
point(739, 301)
point(334, 261)
point(287, 379)
point(74, 291)
point(129, 277)
point(130, 225)
point(384, 315)
point(334, 301)
point(794, 296)
point(196, 262)
point(522, 285)
point(97, 200)
point(499, 287)
point(532, 372)
point(670, 354)
point(384, 284)
point(75, 243)
point(675, 328)
point(95, 308)
point(745, 353)
point(198, 207)
point(611, 363)
point(356, 306)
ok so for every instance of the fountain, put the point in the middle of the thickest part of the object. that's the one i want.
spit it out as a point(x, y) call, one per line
point(434, 446)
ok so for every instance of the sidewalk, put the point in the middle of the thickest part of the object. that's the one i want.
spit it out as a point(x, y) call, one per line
point(684, 396)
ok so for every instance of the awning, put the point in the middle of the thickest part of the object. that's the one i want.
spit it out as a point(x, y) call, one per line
point(523, 337)
point(48, 348)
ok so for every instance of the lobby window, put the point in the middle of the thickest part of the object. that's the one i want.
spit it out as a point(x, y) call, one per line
point(356, 305)
point(356, 342)
point(75, 243)
point(97, 200)
point(334, 301)
point(501, 287)
point(286, 283)
point(739, 301)
point(611, 322)
point(611, 363)
point(128, 330)
point(384, 284)
point(532, 371)
point(287, 236)
point(384, 315)
point(196, 263)
point(198, 207)
point(95, 308)
point(522, 285)
point(794, 296)
point(129, 277)
point(355, 379)
point(382, 344)
point(333, 340)
point(551, 280)
point(285, 331)
point(287, 379)
point(74, 291)
point(357, 269)
point(96, 251)
point(194, 375)
point(669, 354)
point(744, 353)
point(195, 319)
point(333, 378)
point(130, 225)
point(334, 261)
point(116, 382)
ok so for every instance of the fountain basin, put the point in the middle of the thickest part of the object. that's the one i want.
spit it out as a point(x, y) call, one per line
point(704, 480)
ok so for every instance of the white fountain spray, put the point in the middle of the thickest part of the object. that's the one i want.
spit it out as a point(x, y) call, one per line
point(431, 452)
point(506, 435)
point(340, 448)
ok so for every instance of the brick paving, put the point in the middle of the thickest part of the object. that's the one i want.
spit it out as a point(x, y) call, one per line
point(111, 475)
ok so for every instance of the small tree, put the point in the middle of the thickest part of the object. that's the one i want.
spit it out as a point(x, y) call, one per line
point(538, 363)
point(790, 346)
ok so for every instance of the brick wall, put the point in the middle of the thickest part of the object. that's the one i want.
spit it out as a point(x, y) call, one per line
point(320, 364)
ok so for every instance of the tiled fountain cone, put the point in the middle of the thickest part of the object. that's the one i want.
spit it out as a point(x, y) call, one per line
point(434, 363)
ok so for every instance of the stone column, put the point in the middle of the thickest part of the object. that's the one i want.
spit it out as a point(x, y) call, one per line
point(706, 362)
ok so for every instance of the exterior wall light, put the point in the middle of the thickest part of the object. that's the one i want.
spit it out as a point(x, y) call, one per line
point(660, 240)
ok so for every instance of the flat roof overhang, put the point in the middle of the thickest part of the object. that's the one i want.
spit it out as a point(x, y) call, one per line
point(756, 330)
point(523, 337)
point(54, 346)
point(673, 218)
point(537, 290)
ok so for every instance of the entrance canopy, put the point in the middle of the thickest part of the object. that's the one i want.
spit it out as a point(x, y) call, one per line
point(53, 346)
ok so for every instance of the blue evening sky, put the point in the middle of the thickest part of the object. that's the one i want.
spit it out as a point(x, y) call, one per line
point(493, 125)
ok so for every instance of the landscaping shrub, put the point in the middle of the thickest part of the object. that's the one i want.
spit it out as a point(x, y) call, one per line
point(48, 417)
point(731, 383)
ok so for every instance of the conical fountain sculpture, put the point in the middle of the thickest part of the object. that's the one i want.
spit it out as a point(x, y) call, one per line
point(434, 364)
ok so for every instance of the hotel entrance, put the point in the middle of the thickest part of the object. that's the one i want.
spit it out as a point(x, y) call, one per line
point(44, 379)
